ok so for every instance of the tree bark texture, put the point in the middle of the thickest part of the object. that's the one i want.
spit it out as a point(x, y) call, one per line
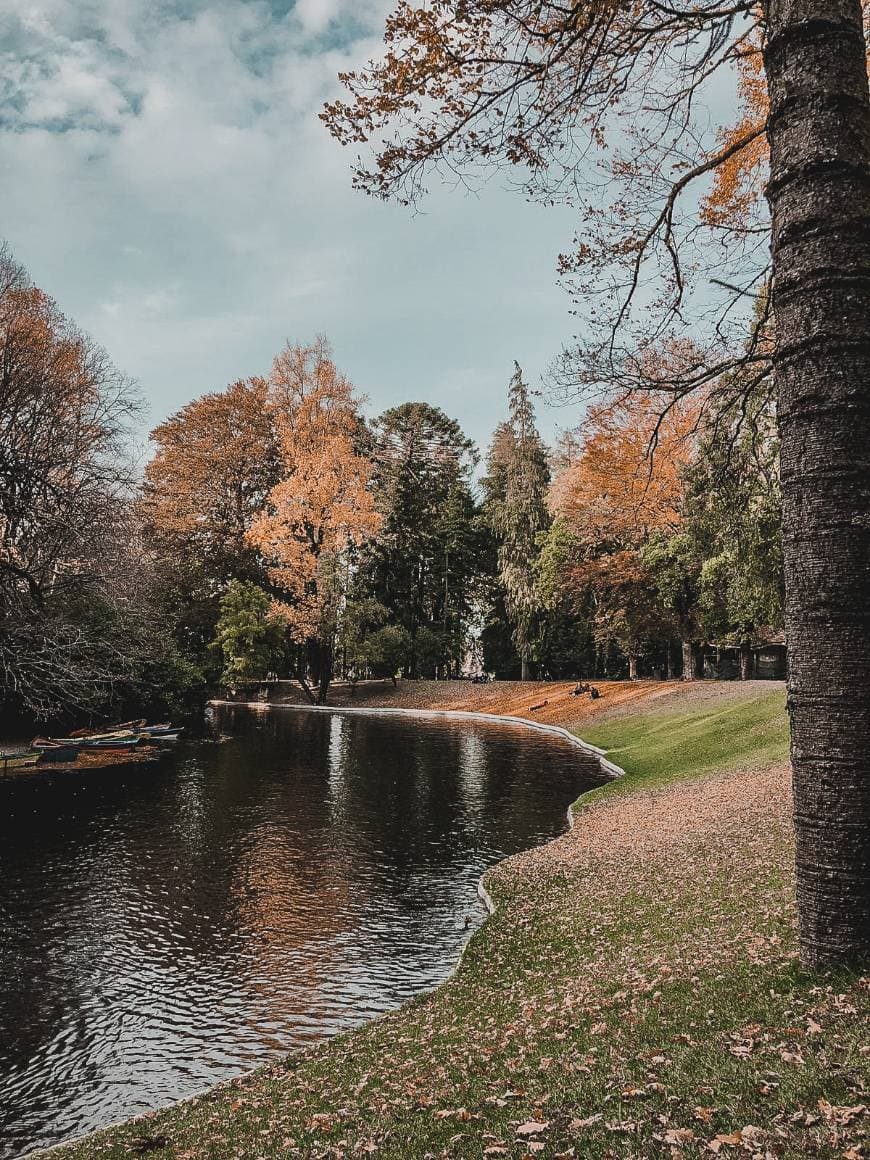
point(690, 664)
point(819, 195)
point(745, 662)
point(632, 668)
point(325, 676)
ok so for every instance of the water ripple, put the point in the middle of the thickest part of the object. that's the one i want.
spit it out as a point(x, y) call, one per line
point(161, 932)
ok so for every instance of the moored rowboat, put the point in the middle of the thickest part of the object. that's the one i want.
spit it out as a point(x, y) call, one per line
point(51, 750)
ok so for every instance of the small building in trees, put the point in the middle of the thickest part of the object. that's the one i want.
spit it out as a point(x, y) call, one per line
point(764, 658)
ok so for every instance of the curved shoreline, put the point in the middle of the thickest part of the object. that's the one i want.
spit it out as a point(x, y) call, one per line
point(648, 918)
point(613, 772)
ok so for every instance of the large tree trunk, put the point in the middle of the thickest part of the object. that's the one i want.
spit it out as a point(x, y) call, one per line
point(690, 661)
point(325, 677)
point(632, 668)
point(819, 194)
point(524, 668)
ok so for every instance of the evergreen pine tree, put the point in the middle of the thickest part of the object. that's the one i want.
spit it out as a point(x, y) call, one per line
point(518, 506)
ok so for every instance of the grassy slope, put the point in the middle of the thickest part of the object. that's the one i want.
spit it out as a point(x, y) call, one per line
point(655, 748)
point(636, 994)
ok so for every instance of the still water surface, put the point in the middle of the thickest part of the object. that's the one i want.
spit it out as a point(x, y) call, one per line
point(163, 930)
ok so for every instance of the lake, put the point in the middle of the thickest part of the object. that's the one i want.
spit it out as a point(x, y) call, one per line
point(164, 929)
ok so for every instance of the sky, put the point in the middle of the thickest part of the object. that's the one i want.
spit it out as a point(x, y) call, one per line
point(166, 179)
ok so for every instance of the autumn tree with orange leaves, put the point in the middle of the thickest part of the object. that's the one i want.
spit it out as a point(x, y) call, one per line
point(215, 463)
point(625, 486)
point(322, 507)
point(75, 603)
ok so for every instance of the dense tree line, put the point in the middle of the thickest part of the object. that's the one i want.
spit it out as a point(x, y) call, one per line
point(278, 530)
point(623, 551)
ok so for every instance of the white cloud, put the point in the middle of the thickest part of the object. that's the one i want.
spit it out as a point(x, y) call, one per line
point(167, 179)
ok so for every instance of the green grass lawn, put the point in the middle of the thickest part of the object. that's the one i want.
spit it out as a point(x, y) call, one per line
point(635, 995)
point(655, 748)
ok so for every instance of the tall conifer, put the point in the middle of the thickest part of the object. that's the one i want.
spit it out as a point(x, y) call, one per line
point(518, 506)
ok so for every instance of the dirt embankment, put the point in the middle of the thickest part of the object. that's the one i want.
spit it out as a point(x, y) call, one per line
point(550, 702)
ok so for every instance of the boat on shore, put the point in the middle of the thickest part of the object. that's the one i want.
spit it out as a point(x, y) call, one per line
point(136, 726)
point(52, 749)
point(132, 742)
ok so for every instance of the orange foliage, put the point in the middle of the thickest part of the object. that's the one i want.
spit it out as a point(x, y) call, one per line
point(627, 482)
point(215, 463)
point(323, 503)
point(738, 182)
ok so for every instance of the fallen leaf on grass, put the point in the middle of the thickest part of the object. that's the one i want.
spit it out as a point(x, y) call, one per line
point(724, 1140)
point(576, 1125)
point(679, 1136)
point(532, 1128)
point(742, 1050)
point(841, 1115)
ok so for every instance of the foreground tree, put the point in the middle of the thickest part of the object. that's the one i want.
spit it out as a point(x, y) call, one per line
point(819, 193)
point(520, 81)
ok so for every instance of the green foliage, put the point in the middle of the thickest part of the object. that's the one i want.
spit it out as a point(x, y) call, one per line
point(388, 649)
point(674, 563)
point(368, 645)
point(248, 640)
point(560, 548)
point(734, 515)
point(432, 648)
point(425, 566)
point(500, 654)
point(516, 507)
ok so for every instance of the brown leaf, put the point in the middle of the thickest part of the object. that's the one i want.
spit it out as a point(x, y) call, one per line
point(725, 1140)
point(679, 1136)
point(532, 1128)
point(577, 1125)
point(841, 1115)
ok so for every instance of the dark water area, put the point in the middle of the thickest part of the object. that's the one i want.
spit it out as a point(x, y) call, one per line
point(164, 929)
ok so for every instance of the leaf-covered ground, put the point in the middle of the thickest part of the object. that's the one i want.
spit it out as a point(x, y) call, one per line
point(636, 994)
